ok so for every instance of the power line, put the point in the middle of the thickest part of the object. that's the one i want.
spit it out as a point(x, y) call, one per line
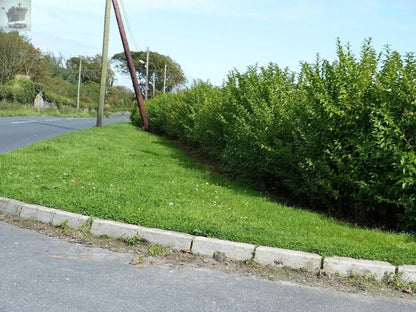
point(126, 22)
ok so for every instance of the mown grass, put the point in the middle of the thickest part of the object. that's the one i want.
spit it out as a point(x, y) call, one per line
point(121, 173)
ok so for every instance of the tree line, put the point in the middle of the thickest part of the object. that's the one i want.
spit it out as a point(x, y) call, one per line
point(57, 78)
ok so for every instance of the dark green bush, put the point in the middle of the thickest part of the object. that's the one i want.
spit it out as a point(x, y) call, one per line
point(353, 142)
point(339, 136)
point(58, 99)
point(20, 91)
point(5, 93)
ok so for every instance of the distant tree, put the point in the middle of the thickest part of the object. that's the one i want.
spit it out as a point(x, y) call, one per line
point(56, 67)
point(91, 68)
point(18, 56)
point(57, 60)
point(174, 76)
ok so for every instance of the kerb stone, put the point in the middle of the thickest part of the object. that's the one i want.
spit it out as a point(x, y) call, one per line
point(37, 213)
point(349, 266)
point(288, 258)
point(10, 206)
point(236, 251)
point(74, 220)
point(178, 241)
point(408, 273)
point(113, 229)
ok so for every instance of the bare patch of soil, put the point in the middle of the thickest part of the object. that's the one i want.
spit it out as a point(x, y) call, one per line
point(145, 255)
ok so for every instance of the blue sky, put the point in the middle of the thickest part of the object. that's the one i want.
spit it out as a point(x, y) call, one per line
point(208, 38)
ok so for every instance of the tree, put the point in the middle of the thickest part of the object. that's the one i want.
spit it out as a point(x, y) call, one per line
point(56, 67)
point(174, 73)
point(91, 68)
point(18, 56)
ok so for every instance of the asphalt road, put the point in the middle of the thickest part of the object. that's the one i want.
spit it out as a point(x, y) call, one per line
point(16, 132)
point(39, 273)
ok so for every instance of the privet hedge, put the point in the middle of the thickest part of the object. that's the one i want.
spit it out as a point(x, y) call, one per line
point(339, 136)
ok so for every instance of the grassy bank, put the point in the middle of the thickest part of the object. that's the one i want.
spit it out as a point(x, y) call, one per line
point(124, 174)
point(17, 109)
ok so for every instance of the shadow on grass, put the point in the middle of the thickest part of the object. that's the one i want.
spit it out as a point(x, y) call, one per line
point(190, 158)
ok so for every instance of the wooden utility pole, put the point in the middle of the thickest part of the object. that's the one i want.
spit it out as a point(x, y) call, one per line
point(79, 82)
point(104, 64)
point(147, 75)
point(130, 65)
point(154, 82)
point(164, 79)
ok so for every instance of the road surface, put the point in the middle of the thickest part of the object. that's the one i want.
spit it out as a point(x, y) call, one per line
point(39, 273)
point(17, 132)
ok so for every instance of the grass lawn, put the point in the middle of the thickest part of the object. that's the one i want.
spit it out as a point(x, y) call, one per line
point(121, 173)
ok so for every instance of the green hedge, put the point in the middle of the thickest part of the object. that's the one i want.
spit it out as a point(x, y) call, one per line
point(21, 91)
point(338, 136)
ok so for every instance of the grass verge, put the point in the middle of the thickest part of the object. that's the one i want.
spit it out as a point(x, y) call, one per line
point(123, 174)
point(17, 109)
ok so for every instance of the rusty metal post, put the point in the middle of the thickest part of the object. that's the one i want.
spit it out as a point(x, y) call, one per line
point(131, 67)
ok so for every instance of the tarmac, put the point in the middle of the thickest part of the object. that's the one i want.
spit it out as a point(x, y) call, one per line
point(204, 246)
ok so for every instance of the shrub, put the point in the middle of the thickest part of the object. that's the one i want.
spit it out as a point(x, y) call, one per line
point(339, 136)
point(20, 91)
point(353, 141)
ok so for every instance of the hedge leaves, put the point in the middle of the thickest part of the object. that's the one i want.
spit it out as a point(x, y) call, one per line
point(339, 135)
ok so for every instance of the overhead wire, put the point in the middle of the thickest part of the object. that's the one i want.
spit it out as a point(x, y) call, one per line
point(127, 23)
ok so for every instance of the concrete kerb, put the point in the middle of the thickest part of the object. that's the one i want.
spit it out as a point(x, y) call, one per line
point(37, 213)
point(41, 214)
point(407, 273)
point(208, 246)
point(176, 240)
point(73, 220)
point(10, 206)
point(236, 251)
point(348, 266)
point(288, 258)
point(114, 229)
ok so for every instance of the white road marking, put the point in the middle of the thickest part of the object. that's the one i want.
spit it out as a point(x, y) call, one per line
point(23, 122)
point(32, 121)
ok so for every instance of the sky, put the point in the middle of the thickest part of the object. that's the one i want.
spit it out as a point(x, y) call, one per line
point(209, 38)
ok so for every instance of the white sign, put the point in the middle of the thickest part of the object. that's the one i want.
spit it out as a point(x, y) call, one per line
point(15, 15)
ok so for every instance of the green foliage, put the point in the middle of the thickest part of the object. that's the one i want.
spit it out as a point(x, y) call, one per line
point(339, 136)
point(57, 79)
point(9, 109)
point(259, 114)
point(20, 90)
point(90, 69)
point(140, 178)
point(61, 86)
point(156, 250)
point(355, 142)
point(133, 240)
point(174, 74)
point(18, 56)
